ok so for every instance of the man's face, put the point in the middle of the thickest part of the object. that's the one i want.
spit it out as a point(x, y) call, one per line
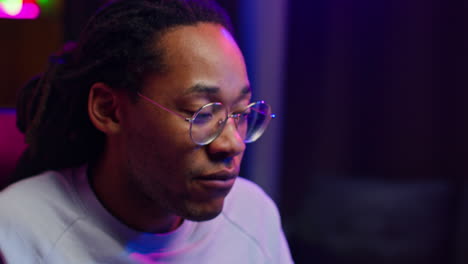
point(174, 174)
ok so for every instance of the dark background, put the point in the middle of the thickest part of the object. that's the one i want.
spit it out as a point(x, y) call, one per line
point(376, 104)
point(375, 144)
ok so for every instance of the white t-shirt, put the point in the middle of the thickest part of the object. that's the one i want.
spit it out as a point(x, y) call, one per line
point(56, 218)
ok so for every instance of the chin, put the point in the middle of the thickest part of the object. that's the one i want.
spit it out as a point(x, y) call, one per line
point(202, 212)
point(202, 217)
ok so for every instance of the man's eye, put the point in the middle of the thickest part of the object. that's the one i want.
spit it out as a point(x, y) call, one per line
point(203, 118)
point(190, 113)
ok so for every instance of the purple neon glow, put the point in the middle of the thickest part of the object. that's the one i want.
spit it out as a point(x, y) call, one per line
point(28, 11)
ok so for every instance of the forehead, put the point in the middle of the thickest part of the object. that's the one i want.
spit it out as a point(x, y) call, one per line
point(199, 56)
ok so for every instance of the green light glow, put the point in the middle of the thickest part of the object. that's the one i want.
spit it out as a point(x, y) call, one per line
point(44, 2)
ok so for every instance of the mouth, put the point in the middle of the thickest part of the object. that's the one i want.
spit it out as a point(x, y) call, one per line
point(217, 181)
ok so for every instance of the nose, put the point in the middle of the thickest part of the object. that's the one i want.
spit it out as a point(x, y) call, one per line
point(229, 143)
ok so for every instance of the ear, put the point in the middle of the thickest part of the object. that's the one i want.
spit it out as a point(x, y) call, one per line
point(103, 108)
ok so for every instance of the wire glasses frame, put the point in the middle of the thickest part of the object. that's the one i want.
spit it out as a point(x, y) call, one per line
point(207, 123)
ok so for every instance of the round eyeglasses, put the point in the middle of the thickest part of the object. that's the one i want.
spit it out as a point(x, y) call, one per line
point(208, 122)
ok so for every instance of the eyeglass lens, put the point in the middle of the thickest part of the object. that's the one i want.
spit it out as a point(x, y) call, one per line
point(210, 120)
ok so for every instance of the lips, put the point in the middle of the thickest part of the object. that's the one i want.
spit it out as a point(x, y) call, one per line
point(221, 181)
point(220, 176)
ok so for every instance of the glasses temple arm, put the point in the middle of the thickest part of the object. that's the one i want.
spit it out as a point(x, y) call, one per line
point(261, 112)
point(162, 107)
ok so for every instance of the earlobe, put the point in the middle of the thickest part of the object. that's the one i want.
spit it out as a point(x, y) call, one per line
point(103, 108)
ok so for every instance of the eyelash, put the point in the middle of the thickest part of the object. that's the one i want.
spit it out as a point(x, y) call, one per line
point(190, 112)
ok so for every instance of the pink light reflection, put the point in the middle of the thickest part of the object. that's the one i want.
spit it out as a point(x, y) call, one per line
point(28, 11)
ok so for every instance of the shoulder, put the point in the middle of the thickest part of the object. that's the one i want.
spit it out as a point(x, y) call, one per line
point(35, 212)
point(40, 197)
point(246, 196)
point(252, 212)
point(36, 193)
point(250, 207)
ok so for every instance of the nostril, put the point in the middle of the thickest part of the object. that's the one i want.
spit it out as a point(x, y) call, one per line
point(227, 161)
point(222, 157)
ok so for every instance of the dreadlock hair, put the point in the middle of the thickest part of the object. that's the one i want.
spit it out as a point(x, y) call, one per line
point(117, 48)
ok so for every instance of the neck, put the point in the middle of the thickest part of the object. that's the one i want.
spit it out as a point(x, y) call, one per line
point(134, 210)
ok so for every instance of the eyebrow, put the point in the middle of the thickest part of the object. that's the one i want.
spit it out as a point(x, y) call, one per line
point(209, 89)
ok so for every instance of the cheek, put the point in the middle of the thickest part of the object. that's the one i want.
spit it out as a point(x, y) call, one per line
point(161, 148)
point(158, 129)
